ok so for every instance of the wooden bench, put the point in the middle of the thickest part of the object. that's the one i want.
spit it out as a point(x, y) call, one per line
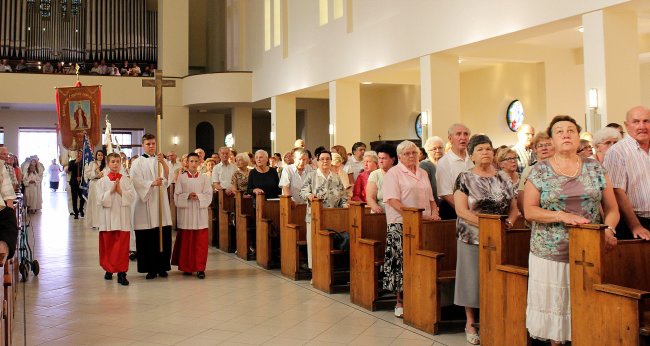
point(267, 224)
point(293, 239)
point(367, 248)
point(503, 267)
point(610, 291)
point(245, 226)
point(429, 262)
point(214, 220)
point(226, 222)
point(330, 266)
point(9, 301)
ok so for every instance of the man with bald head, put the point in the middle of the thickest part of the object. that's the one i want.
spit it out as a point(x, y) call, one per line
point(523, 148)
point(628, 164)
point(202, 166)
point(450, 166)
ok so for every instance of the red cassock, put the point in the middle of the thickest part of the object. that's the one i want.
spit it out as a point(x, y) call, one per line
point(191, 250)
point(191, 247)
point(114, 251)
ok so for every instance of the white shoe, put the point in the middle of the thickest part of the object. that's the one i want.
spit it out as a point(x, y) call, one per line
point(399, 312)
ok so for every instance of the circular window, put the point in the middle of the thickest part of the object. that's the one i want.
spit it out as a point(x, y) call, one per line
point(418, 126)
point(515, 115)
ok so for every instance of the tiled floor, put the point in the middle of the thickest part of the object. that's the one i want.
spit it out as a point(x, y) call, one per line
point(70, 303)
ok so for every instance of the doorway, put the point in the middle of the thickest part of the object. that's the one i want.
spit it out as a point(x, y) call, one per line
point(41, 142)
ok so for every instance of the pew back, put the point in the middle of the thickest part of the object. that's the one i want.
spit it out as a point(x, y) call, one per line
point(267, 222)
point(326, 261)
point(226, 211)
point(244, 222)
point(292, 238)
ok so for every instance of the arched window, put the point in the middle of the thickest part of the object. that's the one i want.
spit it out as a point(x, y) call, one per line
point(205, 137)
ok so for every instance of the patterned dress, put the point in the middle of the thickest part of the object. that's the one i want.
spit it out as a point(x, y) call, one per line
point(239, 180)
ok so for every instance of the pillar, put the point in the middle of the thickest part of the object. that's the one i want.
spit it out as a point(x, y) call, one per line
point(440, 93)
point(175, 124)
point(345, 113)
point(242, 128)
point(283, 123)
point(173, 37)
point(611, 63)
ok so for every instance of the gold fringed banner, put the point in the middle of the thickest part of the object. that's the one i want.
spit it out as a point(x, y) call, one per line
point(79, 110)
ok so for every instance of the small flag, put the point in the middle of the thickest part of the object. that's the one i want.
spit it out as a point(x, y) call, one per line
point(87, 160)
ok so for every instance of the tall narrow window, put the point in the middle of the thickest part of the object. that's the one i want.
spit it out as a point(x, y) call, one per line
point(338, 9)
point(323, 10)
point(276, 23)
point(267, 24)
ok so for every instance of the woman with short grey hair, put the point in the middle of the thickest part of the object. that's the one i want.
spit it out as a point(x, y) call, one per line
point(603, 140)
point(262, 180)
point(370, 163)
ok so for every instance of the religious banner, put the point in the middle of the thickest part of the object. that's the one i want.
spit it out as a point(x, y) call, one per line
point(79, 110)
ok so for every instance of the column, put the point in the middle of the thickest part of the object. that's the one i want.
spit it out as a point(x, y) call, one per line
point(611, 63)
point(345, 113)
point(283, 123)
point(440, 93)
point(173, 37)
point(175, 125)
point(242, 128)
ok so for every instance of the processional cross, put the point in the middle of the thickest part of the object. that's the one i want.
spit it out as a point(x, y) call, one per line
point(159, 83)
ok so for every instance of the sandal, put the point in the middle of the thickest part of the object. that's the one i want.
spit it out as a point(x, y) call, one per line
point(472, 338)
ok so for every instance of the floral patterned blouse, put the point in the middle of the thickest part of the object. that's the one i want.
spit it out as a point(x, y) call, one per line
point(239, 180)
point(580, 195)
point(485, 195)
point(329, 190)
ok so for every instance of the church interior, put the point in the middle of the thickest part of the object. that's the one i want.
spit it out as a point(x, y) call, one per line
point(260, 74)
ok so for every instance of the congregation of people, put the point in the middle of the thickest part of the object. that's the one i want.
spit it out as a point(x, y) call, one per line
point(97, 68)
point(550, 179)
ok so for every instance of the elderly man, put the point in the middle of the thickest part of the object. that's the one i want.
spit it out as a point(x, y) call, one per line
point(299, 143)
point(222, 173)
point(173, 162)
point(628, 164)
point(523, 148)
point(202, 167)
point(450, 166)
point(435, 148)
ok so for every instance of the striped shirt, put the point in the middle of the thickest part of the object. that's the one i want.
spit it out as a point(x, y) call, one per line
point(629, 169)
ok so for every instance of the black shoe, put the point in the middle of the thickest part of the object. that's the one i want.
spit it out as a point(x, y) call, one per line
point(82, 214)
point(71, 214)
point(187, 273)
point(200, 275)
point(76, 216)
point(121, 279)
point(109, 276)
point(150, 276)
point(163, 274)
point(133, 256)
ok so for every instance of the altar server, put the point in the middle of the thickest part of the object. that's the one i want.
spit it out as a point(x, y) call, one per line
point(115, 195)
point(146, 181)
point(192, 195)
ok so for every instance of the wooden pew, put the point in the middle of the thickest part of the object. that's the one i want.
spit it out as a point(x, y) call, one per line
point(5, 326)
point(503, 267)
point(8, 304)
point(244, 224)
point(226, 222)
point(367, 247)
point(429, 262)
point(214, 220)
point(330, 266)
point(610, 291)
point(267, 224)
point(293, 239)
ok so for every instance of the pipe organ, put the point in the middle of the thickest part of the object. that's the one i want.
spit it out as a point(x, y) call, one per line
point(78, 30)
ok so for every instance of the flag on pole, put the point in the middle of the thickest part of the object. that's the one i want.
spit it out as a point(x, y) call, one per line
point(87, 160)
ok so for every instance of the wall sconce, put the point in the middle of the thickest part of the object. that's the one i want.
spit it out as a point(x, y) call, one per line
point(175, 140)
point(425, 118)
point(331, 129)
point(593, 98)
point(272, 135)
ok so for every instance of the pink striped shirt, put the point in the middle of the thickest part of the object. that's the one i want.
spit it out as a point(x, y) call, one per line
point(629, 169)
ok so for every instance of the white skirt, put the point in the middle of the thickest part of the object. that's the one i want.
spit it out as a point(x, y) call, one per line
point(548, 312)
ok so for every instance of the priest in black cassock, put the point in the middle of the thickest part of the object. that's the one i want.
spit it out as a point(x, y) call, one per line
point(144, 173)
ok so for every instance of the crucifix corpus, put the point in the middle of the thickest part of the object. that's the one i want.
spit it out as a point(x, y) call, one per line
point(159, 83)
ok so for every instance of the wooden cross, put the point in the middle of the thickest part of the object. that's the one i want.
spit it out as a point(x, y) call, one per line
point(490, 248)
point(584, 264)
point(159, 83)
point(411, 238)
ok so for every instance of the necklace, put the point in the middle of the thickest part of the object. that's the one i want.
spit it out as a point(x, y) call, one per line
point(562, 172)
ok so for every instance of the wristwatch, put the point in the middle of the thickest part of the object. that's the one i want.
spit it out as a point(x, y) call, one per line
point(611, 229)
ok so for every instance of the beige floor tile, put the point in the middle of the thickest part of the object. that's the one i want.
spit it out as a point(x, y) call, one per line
point(371, 340)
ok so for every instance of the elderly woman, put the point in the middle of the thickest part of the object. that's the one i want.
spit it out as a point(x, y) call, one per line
point(339, 149)
point(405, 185)
point(603, 140)
point(209, 165)
point(543, 148)
point(262, 180)
point(585, 150)
point(434, 147)
point(563, 190)
point(338, 169)
point(293, 176)
point(370, 164)
point(239, 180)
point(506, 160)
point(386, 156)
point(324, 185)
point(480, 190)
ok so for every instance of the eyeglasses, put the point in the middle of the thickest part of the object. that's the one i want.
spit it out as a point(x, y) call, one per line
point(411, 153)
point(546, 145)
point(586, 148)
point(511, 159)
point(324, 159)
point(609, 142)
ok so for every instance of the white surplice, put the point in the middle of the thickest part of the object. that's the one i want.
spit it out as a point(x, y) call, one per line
point(33, 193)
point(115, 212)
point(192, 214)
point(143, 172)
point(93, 205)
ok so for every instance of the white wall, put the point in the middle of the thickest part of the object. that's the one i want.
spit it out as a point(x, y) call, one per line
point(316, 122)
point(385, 32)
point(389, 111)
